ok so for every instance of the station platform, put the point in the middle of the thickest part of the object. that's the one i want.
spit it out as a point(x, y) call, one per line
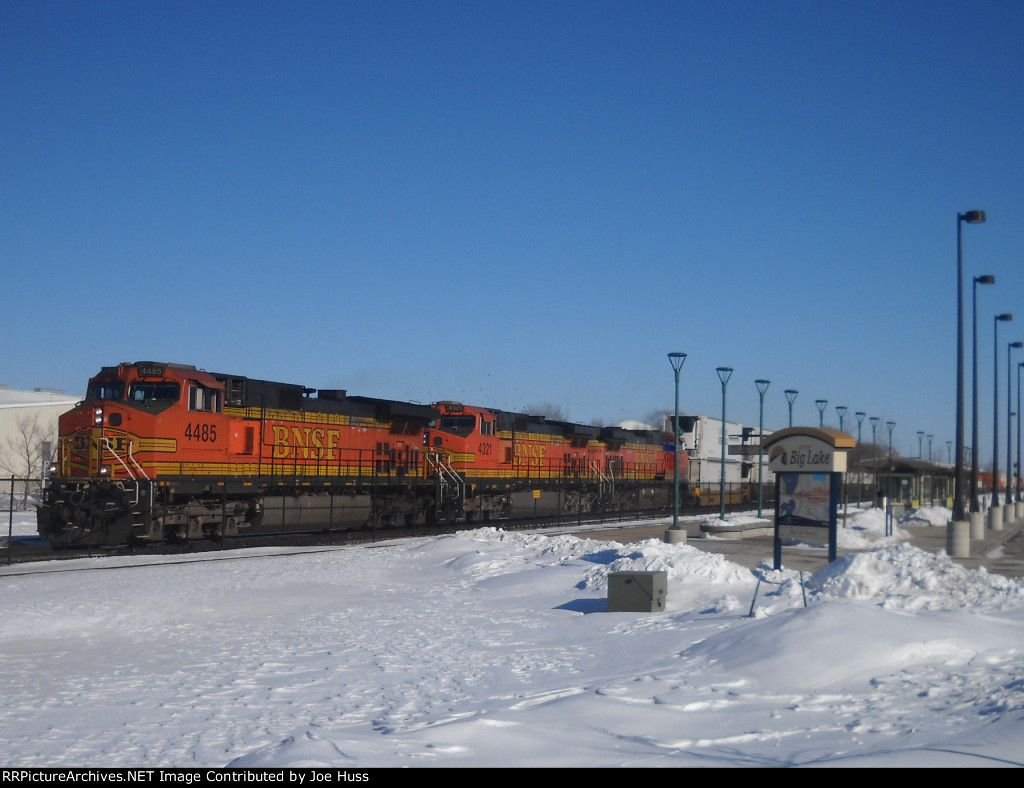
point(999, 552)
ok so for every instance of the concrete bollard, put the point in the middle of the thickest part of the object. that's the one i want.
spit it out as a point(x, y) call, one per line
point(958, 539)
point(1019, 508)
point(675, 536)
point(1009, 511)
point(976, 525)
point(995, 518)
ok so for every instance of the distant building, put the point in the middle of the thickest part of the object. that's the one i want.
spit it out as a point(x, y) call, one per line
point(702, 440)
point(28, 431)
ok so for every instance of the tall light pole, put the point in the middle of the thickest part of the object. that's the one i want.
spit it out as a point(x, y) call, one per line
point(791, 398)
point(1009, 393)
point(860, 459)
point(822, 404)
point(920, 444)
point(841, 410)
point(874, 453)
point(762, 387)
point(676, 360)
point(1021, 364)
point(724, 373)
point(978, 280)
point(971, 217)
point(931, 483)
point(1005, 317)
point(890, 425)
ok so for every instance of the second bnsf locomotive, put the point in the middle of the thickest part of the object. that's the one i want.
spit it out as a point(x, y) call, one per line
point(161, 451)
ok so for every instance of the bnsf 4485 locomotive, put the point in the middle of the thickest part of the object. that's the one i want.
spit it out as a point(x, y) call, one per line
point(167, 452)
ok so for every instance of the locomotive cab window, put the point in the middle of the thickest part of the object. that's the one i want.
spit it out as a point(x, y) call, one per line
point(161, 391)
point(458, 425)
point(203, 399)
point(106, 389)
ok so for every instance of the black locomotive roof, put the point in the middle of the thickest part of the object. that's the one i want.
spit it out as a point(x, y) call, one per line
point(398, 410)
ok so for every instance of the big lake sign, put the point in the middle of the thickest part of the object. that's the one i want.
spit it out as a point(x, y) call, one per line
point(808, 465)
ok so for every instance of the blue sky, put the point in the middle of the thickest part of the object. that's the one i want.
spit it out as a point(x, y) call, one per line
point(518, 203)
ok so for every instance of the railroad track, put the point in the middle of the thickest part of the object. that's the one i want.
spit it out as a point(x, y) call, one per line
point(19, 553)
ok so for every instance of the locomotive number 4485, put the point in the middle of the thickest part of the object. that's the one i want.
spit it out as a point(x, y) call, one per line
point(201, 432)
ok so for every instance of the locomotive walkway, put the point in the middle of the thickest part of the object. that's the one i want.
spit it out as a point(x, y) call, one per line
point(999, 552)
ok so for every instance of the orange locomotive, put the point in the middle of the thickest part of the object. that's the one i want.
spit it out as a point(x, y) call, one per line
point(166, 451)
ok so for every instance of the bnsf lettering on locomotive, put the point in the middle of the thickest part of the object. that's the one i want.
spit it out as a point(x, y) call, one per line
point(530, 453)
point(305, 443)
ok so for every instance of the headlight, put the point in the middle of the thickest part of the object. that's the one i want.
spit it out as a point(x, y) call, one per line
point(104, 470)
point(97, 415)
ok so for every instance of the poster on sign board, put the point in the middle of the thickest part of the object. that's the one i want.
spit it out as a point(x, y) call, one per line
point(804, 499)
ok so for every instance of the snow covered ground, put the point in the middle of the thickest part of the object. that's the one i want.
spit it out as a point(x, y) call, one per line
point(489, 648)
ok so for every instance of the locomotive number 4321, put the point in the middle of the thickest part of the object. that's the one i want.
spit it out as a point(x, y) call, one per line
point(201, 432)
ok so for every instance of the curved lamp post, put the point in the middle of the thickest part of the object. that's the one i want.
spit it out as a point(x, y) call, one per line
point(676, 360)
point(973, 489)
point(724, 373)
point(762, 387)
point(971, 217)
point(791, 398)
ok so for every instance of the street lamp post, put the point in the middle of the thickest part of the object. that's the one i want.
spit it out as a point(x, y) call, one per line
point(874, 452)
point(920, 444)
point(841, 410)
point(762, 387)
point(1021, 364)
point(890, 425)
point(996, 512)
point(860, 460)
point(971, 217)
point(676, 360)
point(791, 398)
point(822, 404)
point(975, 507)
point(724, 373)
point(1009, 394)
point(931, 484)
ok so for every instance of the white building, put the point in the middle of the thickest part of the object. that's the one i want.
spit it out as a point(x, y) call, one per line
point(28, 433)
point(702, 440)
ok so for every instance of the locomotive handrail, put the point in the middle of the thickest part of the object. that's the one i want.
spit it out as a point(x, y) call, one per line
point(446, 474)
point(603, 480)
point(131, 456)
point(116, 456)
point(132, 476)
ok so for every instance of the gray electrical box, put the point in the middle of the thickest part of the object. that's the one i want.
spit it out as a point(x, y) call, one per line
point(637, 592)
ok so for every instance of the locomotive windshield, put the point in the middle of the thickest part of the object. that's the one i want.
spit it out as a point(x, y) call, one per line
point(106, 389)
point(458, 425)
point(160, 391)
